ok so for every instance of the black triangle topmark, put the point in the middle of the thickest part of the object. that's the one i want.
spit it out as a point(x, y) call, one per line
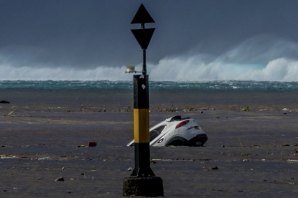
point(143, 36)
point(142, 16)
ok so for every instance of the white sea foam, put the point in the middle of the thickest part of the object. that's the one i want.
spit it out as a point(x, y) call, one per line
point(167, 69)
point(192, 69)
point(257, 59)
point(62, 73)
point(262, 58)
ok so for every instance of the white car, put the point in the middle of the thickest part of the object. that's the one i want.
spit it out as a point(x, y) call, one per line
point(176, 131)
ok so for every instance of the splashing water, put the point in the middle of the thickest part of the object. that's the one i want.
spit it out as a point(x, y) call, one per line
point(256, 59)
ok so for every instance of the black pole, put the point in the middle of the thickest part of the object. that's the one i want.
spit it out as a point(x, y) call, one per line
point(141, 127)
point(144, 62)
point(142, 181)
point(144, 55)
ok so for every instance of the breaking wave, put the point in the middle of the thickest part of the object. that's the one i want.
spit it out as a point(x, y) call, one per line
point(262, 58)
point(62, 73)
point(257, 59)
point(168, 69)
point(192, 69)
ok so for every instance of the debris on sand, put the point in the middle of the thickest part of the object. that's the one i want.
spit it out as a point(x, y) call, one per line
point(59, 179)
point(11, 113)
point(292, 161)
point(286, 111)
point(4, 102)
point(245, 108)
point(82, 146)
point(92, 144)
point(4, 156)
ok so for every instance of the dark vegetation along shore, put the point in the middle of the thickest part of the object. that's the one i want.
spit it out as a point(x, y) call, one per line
point(72, 143)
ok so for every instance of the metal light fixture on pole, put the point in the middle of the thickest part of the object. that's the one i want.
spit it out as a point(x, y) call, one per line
point(142, 181)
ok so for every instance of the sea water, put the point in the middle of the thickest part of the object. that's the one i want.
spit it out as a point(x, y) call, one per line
point(154, 85)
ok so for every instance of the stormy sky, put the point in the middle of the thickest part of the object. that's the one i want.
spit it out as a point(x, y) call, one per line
point(93, 33)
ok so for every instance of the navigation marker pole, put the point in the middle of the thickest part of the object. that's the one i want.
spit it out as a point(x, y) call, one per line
point(142, 181)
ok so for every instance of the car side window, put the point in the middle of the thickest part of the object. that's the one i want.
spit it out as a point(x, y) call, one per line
point(154, 133)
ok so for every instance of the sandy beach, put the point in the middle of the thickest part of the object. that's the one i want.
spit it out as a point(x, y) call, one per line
point(252, 150)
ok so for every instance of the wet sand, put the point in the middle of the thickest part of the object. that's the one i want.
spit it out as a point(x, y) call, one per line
point(252, 149)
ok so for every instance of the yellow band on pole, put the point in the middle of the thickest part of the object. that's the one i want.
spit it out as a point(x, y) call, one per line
point(141, 125)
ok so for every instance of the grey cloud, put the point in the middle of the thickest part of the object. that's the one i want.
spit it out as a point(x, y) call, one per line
point(90, 33)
